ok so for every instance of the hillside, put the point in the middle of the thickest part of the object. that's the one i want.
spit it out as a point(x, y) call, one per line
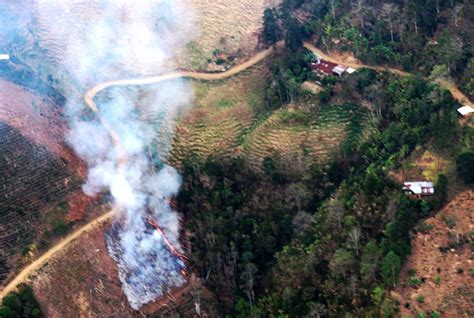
point(291, 199)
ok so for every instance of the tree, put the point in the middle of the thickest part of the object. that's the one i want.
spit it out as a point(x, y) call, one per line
point(341, 262)
point(441, 191)
point(369, 261)
point(6, 312)
point(391, 265)
point(20, 304)
point(465, 166)
point(271, 30)
point(293, 38)
point(445, 128)
point(448, 49)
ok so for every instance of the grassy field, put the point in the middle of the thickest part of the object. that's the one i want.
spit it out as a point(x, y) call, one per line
point(226, 26)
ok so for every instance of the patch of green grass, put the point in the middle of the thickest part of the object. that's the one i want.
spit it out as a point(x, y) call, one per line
point(435, 314)
point(420, 299)
point(414, 281)
point(224, 103)
point(424, 227)
point(200, 90)
point(255, 100)
point(195, 55)
point(294, 117)
point(450, 221)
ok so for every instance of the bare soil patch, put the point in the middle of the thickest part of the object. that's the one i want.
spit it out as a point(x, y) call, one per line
point(442, 262)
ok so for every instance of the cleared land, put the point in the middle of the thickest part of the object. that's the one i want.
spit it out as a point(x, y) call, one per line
point(438, 276)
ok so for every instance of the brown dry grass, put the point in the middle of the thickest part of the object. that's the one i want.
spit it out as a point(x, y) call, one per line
point(226, 25)
point(422, 164)
point(444, 289)
point(82, 280)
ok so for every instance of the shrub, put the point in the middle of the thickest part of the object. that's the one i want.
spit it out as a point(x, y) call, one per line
point(325, 96)
point(424, 228)
point(60, 227)
point(414, 281)
point(420, 314)
point(411, 272)
point(435, 314)
point(465, 166)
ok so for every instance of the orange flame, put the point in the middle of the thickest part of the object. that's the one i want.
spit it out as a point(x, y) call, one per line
point(168, 243)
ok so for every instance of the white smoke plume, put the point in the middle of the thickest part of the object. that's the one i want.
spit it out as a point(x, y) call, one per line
point(125, 144)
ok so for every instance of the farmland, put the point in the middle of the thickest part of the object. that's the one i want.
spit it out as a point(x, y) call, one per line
point(227, 120)
point(33, 181)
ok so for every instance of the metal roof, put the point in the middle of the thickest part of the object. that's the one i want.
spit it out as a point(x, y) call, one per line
point(465, 110)
point(420, 187)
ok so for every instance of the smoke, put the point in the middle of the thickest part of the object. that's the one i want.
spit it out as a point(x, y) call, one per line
point(127, 141)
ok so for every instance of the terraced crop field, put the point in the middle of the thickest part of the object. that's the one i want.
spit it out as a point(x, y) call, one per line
point(31, 180)
point(223, 112)
point(223, 122)
point(316, 139)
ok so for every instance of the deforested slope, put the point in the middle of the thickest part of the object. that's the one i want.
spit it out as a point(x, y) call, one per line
point(31, 180)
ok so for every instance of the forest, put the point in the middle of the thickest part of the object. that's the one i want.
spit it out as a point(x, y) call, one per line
point(332, 240)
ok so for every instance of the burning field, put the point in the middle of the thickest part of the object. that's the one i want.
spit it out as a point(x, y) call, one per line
point(123, 137)
point(116, 139)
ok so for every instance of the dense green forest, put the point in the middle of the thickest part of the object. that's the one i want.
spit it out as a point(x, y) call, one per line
point(331, 241)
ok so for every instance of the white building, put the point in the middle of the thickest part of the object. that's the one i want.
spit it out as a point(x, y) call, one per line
point(4, 57)
point(419, 187)
point(350, 70)
point(465, 110)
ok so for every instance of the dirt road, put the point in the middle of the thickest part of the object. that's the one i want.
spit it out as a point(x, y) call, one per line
point(457, 94)
point(89, 99)
point(45, 257)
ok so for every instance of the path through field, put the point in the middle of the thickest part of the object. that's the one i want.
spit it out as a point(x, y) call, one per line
point(89, 99)
point(50, 253)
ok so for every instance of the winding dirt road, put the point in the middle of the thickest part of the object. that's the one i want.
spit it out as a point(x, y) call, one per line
point(89, 100)
point(457, 94)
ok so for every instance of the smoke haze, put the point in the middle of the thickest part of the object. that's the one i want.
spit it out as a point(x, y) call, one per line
point(126, 143)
